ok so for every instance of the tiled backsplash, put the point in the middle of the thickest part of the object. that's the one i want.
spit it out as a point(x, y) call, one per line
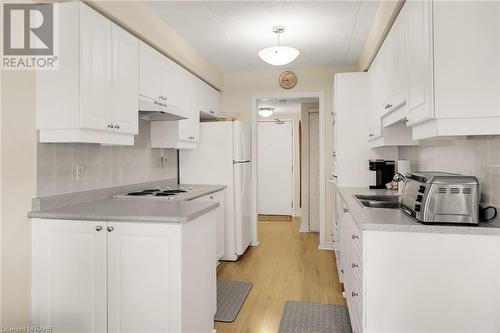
point(104, 166)
point(477, 156)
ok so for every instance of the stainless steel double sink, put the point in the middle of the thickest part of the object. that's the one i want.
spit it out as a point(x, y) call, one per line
point(379, 201)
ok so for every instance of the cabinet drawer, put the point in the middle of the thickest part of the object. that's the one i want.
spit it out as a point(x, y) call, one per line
point(356, 295)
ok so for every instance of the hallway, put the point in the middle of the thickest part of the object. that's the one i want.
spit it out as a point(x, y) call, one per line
point(287, 265)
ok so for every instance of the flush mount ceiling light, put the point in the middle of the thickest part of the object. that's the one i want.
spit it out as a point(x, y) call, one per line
point(278, 55)
point(266, 112)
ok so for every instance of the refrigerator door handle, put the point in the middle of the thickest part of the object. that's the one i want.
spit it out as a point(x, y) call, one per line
point(239, 162)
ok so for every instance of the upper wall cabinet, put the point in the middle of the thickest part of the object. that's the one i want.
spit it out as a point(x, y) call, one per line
point(159, 87)
point(388, 91)
point(453, 68)
point(92, 97)
point(196, 99)
point(435, 72)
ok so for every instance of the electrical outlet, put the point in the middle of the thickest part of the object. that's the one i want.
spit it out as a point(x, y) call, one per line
point(80, 171)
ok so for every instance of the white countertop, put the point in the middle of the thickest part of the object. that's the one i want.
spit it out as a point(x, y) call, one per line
point(384, 219)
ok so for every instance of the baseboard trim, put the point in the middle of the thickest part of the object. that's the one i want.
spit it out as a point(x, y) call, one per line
point(303, 228)
point(328, 246)
point(254, 244)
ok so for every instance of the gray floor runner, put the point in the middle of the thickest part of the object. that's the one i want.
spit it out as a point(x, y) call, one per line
point(300, 317)
point(230, 298)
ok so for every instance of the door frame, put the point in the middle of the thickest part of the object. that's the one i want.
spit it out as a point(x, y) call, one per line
point(305, 226)
point(322, 159)
point(294, 166)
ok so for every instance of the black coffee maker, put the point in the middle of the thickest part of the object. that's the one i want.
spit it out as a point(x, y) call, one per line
point(384, 172)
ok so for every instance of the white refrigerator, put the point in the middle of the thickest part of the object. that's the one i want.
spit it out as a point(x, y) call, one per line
point(223, 158)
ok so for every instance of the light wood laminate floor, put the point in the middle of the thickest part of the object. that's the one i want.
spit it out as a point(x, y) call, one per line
point(287, 265)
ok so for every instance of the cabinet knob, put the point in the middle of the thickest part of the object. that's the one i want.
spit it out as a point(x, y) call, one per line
point(354, 236)
point(371, 135)
point(354, 265)
point(211, 197)
point(110, 125)
point(211, 112)
point(191, 137)
point(389, 106)
point(98, 228)
point(117, 126)
point(346, 210)
point(110, 228)
point(342, 271)
point(354, 294)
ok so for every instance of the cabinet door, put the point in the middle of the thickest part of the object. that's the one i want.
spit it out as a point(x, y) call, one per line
point(69, 275)
point(144, 290)
point(420, 61)
point(219, 197)
point(170, 76)
point(150, 64)
point(189, 128)
point(125, 81)
point(95, 70)
point(375, 91)
point(397, 63)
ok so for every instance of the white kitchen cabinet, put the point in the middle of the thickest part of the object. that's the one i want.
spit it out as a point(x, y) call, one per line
point(69, 276)
point(426, 272)
point(159, 81)
point(388, 91)
point(95, 69)
point(397, 76)
point(90, 98)
point(124, 276)
point(141, 255)
point(125, 79)
point(420, 62)
point(185, 133)
point(150, 76)
point(352, 147)
point(453, 68)
point(218, 197)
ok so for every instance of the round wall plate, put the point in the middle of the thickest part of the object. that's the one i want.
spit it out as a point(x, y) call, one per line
point(288, 80)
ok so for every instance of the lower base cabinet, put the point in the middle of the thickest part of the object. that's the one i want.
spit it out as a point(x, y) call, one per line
point(221, 220)
point(417, 281)
point(91, 276)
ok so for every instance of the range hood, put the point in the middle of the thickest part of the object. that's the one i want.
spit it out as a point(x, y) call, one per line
point(150, 109)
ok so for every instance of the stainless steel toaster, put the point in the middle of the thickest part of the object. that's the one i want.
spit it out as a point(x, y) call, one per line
point(438, 197)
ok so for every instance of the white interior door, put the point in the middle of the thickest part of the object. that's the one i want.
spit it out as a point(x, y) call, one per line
point(313, 170)
point(275, 168)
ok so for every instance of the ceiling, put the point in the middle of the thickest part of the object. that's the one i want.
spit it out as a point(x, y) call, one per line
point(231, 33)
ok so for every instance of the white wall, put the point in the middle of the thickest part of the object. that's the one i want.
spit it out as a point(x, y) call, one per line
point(18, 158)
point(105, 166)
point(478, 156)
point(239, 88)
